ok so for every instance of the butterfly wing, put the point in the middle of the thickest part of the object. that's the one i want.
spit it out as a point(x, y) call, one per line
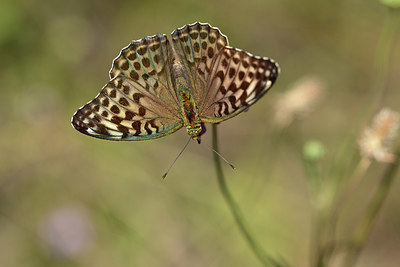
point(198, 46)
point(147, 62)
point(238, 80)
point(226, 80)
point(138, 103)
point(124, 111)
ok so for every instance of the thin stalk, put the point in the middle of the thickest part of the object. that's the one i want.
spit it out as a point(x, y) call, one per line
point(354, 183)
point(321, 219)
point(319, 216)
point(264, 258)
point(334, 211)
point(364, 227)
point(384, 50)
point(318, 240)
point(332, 189)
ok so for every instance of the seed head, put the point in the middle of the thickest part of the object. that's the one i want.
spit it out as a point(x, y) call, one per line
point(299, 100)
point(376, 142)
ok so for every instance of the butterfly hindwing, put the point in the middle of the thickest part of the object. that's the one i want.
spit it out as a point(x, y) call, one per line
point(239, 79)
point(125, 111)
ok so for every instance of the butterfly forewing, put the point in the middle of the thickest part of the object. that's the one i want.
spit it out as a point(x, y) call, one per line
point(139, 102)
point(198, 45)
point(238, 80)
point(147, 62)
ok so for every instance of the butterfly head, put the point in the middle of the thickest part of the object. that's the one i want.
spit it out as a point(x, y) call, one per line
point(197, 138)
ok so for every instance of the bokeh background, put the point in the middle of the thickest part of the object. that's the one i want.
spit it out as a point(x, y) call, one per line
point(70, 200)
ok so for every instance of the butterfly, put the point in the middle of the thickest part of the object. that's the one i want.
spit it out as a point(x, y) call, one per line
point(156, 87)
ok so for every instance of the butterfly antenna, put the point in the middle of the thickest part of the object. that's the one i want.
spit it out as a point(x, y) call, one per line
point(216, 152)
point(180, 153)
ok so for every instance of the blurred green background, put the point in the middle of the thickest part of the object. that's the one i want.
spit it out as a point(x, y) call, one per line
point(70, 200)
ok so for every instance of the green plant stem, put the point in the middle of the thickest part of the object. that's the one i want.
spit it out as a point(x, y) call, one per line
point(383, 52)
point(335, 208)
point(354, 182)
point(365, 225)
point(332, 189)
point(311, 169)
point(321, 215)
point(264, 258)
point(318, 241)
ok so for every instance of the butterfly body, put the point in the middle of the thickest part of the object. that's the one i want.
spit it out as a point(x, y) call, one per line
point(188, 107)
point(157, 87)
point(191, 115)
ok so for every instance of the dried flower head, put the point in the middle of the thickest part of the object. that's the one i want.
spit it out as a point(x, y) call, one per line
point(376, 142)
point(299, 100)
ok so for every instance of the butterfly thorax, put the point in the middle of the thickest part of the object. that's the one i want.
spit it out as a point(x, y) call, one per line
point(188, 106)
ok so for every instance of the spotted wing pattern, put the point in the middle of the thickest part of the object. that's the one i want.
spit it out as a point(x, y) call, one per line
point(238, 80)
point(198, 46)
point(121, 111)
point(139, 102)
point(147, 62)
